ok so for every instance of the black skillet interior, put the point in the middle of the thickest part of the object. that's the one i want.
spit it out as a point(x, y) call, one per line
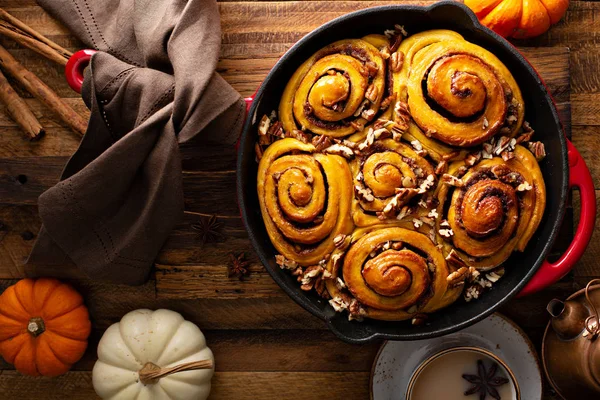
point(540, 112)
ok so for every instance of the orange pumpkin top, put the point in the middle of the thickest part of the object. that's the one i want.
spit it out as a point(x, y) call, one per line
point(44, 326)
point(518, 18)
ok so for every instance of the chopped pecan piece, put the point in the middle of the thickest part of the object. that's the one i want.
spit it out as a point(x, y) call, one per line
point(372, 68)
point(473, 158)
point(442, 167)
point(340, 150)
point(508, 155)
point(385, 52)
point(299, 135)
point(284, 263)
point(452, 180)
point(263, 125)
point(310, 276)
point(368, 114)
point(355, 310)
point(321, 142)
point(358, 126)
point(321, 288)
point(338, 304)
point(276, 130)
point(458, 277)
point(386, 103)
point(524, 137)
point(538, 149)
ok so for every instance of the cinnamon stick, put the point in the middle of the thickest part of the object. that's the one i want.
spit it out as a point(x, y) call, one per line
point(30, 38)
point(19, 111)
point(41, 91)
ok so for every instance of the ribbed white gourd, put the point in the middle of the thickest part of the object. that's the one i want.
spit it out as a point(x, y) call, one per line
point(162, 337)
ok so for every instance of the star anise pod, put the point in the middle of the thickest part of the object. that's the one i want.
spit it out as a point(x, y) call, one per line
point(485, 382)
point(238, 266)
point(209, 229)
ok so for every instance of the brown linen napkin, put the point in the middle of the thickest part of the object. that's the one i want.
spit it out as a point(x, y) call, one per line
point(152, 85)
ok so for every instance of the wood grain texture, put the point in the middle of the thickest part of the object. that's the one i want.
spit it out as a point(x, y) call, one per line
point(225, 386)
point(262, 350)
point(267, 347)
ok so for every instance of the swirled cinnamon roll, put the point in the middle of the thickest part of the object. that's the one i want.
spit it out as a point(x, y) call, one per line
point(454, 94)
point(337, 91)
point(387, 176)
point(304, 199)
point(492, 210)
point(392, 273)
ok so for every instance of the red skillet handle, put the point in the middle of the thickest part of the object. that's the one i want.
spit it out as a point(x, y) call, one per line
point(580, 177)
point(75, 66)
point(248, 101)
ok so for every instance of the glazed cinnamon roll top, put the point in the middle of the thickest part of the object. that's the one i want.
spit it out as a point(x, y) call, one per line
point(394, 273)
point(493, 209)
point(459, 94)
point(336, 91)
point(304, 199)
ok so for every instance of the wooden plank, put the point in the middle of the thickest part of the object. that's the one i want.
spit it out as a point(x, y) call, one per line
point(57, 141)
point(587, 141)
point(107, 303)
point(23, 179)
point(225, 385)
point(588, 265)
point(18, 228)
point(211, 281)
point(47, 118)
point(586, 108)
point(288, 350)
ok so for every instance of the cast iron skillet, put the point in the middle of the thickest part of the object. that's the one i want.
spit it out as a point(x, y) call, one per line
point(562, 168)
point(540, 112)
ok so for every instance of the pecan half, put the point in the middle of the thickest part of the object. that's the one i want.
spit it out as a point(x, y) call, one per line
point(372, 93)
point(396, 61)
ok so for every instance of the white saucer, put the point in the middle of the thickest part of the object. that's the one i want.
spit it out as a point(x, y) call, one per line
point(396, 361)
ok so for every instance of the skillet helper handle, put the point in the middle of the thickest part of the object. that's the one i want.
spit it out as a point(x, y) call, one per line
point(579, 177)
point(75, 66)
point(248, 100)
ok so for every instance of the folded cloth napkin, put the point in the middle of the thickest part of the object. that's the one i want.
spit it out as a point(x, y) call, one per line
point(151, 86)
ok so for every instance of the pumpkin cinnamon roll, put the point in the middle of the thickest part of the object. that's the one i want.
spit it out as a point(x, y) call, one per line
point(392, 273)
point(387, 176)
point(492, 210)
point(304, 199)
point(337, 91)
point(458, 94)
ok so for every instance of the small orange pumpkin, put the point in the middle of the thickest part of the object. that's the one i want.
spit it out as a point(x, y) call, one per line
point(518, 18)
point(44, 326)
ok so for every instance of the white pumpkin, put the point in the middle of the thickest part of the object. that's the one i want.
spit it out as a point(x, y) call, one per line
point(161, 337)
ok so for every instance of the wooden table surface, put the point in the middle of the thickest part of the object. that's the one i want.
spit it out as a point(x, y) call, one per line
point(266, 347)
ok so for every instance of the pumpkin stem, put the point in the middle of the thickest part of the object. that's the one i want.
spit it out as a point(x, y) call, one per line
point(151, 372)
point(36, 326)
